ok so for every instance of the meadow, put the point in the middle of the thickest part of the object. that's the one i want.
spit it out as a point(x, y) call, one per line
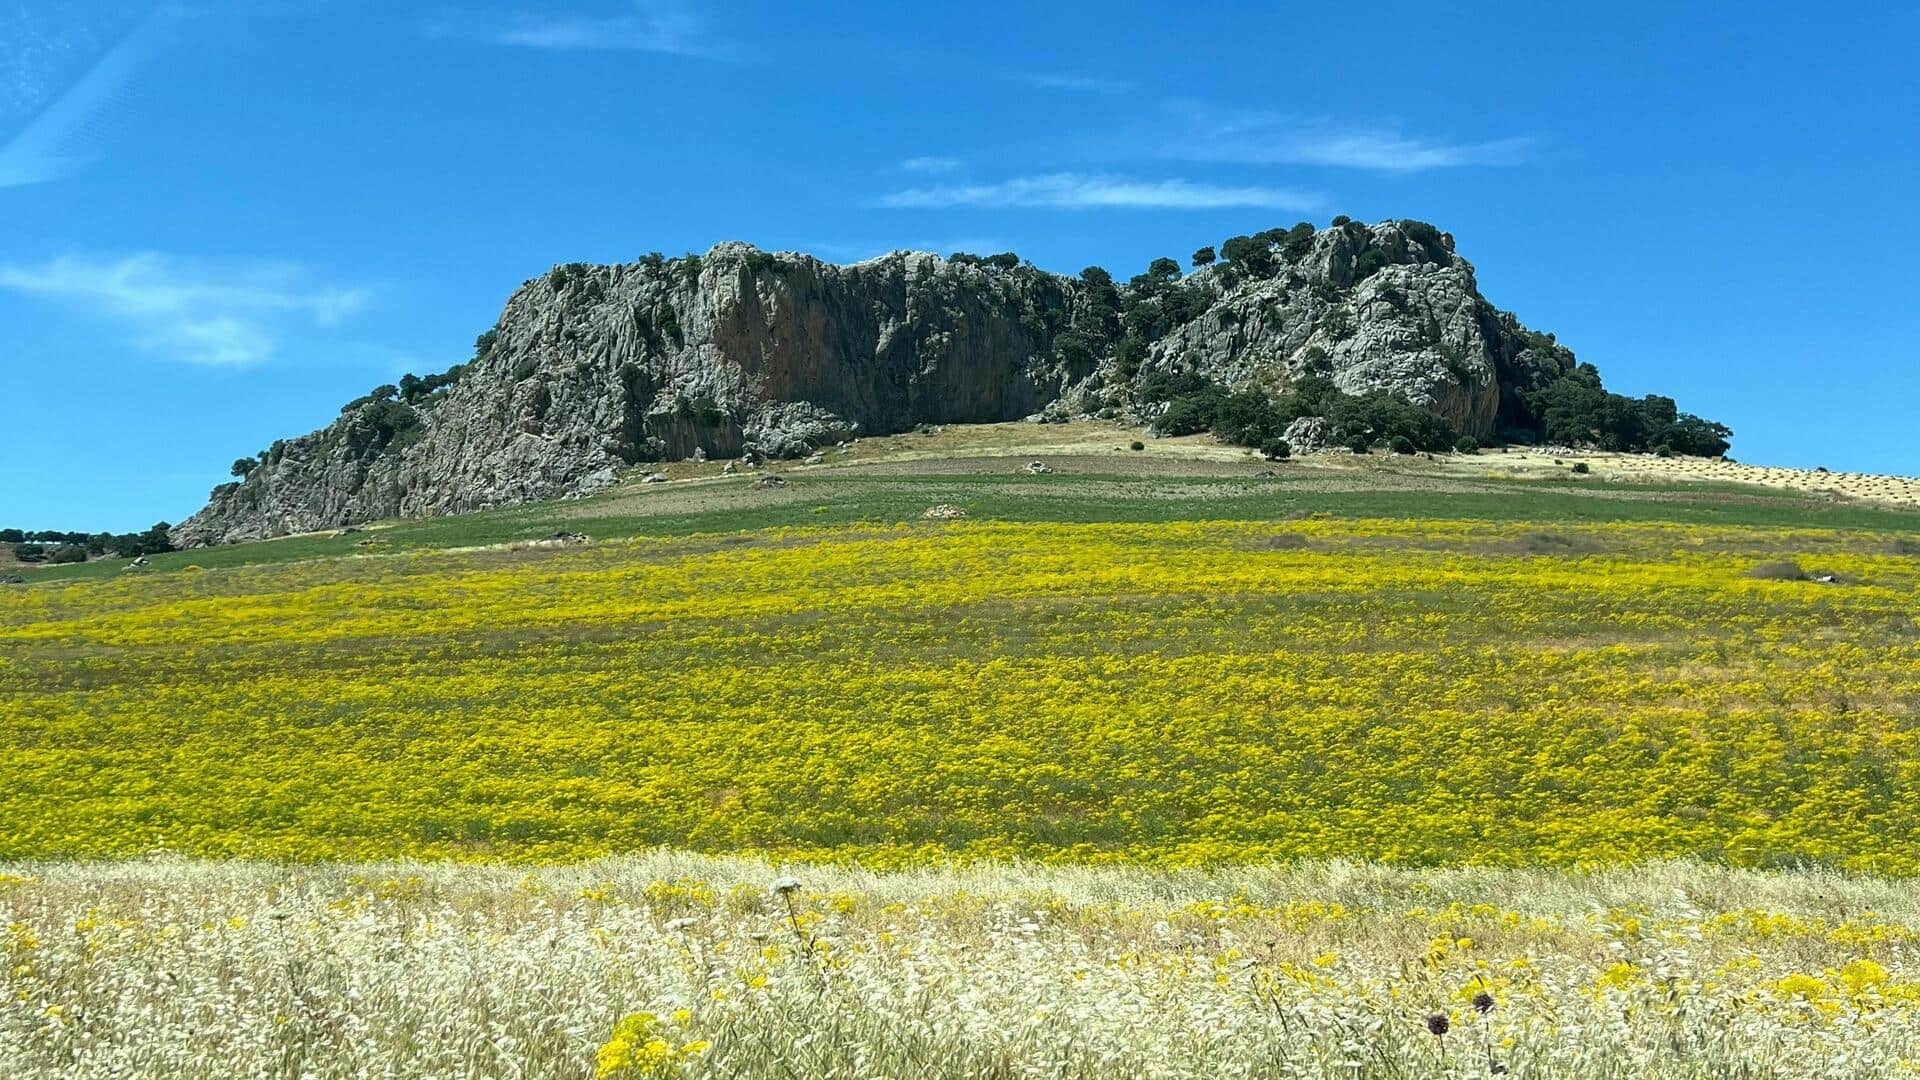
point(1182, 772)
point(676, 965)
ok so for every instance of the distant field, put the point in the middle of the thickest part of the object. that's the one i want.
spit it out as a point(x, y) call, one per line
point(1411, 689)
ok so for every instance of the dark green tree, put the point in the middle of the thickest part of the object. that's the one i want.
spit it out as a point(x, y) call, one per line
point(1253, 256)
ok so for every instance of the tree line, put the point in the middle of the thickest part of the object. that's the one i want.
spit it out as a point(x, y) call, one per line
point(55, 546)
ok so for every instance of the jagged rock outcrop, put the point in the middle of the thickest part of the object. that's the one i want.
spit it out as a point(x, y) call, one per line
point(1414, 327)
point(594, 368)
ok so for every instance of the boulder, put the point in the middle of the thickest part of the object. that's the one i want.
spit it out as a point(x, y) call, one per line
point(1309, 434)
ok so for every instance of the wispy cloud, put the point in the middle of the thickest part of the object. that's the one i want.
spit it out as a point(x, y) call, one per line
point(1080, 191)
point(229, 314)
point(1248, 137)
point(641, 26)
point(1059, 80)
point(71, 119)
point(930, 164)
point(972, 245)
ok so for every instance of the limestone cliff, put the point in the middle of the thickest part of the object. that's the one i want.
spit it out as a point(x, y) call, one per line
point(594, 368)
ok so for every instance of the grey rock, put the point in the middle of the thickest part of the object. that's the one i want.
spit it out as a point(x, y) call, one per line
point(1416, 329)
point(1309, 434)
point(745, 354)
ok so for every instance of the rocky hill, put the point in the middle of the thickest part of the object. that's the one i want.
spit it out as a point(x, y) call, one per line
point(737, 352)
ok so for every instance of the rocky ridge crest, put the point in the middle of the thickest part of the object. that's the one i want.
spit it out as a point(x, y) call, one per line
point(591, 369)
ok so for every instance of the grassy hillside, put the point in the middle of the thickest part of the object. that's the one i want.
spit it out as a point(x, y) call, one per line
point(1500, 687)
point(1182, 663)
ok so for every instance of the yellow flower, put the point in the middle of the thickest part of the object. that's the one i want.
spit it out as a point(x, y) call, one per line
point(1807, 987)
point(1860, 976)
point(1617, 977)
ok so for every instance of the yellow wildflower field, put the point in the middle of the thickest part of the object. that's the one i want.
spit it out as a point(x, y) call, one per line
point(1412, 692)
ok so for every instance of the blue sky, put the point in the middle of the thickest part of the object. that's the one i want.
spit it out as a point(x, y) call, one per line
point(218, 222)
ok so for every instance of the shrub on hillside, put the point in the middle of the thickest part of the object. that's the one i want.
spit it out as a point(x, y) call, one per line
point(1576, 410)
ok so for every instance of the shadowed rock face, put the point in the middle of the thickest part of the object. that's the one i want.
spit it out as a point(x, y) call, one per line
point(593, 368)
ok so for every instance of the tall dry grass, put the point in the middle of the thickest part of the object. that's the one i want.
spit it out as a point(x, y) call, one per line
point(674, 964)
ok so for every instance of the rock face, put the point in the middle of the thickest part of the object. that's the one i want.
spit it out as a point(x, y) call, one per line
point(1415, 327)
point(594, 368)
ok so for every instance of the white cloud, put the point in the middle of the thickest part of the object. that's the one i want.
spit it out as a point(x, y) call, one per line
point(74, 117)
point(1068, 81)
point(1261, 138)
point(648, 26)
point(930, 164)
point(1398, 153)
point(226, 314)
point(1079, 191)
point(972, 245)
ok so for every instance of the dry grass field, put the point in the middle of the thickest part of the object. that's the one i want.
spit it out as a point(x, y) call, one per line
point(675, 965)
